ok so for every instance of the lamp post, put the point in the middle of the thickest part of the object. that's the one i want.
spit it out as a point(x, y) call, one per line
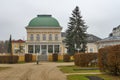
point(37, 58)
point(78, 49)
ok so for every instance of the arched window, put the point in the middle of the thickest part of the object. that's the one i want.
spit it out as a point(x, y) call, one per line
point(44, 36)
point(56, 37)
point(31, 37)
point(38, 37)
point(50, 37)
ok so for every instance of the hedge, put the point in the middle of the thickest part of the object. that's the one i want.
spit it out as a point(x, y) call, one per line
point(66, 58)
point(28, 57)
point(9, 59)
point(85, 59)
point(109, 59)
point(55, 57)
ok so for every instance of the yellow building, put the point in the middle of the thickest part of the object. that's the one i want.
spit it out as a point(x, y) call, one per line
point(18, 46)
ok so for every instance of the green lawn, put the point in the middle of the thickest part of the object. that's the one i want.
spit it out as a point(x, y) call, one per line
point(3, 68)
point(75, 69)
point(83, 77)
point(76, 77)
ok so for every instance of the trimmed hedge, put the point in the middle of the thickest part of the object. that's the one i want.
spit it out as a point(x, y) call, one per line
point(85, 59)
point(66, 58)
point(109, 59)
point(54, 57)
point(28, 57)
point(9, 59)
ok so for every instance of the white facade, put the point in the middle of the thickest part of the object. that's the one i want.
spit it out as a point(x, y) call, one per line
point(116, 31)
point(49, 39)
point(92, 48)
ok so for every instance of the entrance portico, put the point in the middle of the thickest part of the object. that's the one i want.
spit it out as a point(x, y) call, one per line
point(43, 48)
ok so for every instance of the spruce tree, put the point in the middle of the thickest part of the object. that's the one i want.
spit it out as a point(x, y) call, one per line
point(76, 33)
point(10, 45)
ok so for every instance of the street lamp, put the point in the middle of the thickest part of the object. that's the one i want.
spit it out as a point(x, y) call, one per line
point(37, 57)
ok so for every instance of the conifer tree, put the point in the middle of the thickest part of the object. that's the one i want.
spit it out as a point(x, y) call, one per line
point(76, 33)
point(10, 45)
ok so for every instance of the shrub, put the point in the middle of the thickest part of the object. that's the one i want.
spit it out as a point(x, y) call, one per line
point(9, 59)
point(109, 59)
point(54, 57)
point(66, 58)
point(84, 59)
point(28, 57)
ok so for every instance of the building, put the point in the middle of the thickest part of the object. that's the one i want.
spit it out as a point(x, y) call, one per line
point(113, 39)
point(91, 43)
point(44, 36)
point(18, 46)
point(115, 31)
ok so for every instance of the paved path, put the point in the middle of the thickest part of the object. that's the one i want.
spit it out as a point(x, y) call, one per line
point(31, 71)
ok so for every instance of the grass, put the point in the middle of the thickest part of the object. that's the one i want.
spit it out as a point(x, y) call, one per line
point(83, 77)
point(75, 69)
point(76, 77)
point(4, 68)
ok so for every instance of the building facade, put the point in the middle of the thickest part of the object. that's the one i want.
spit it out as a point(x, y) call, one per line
point(43, 35)
point(18, 46)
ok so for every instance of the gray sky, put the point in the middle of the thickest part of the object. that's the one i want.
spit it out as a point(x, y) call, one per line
point(100, 15)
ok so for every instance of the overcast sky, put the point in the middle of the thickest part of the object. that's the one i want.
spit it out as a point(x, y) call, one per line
point(100, 15)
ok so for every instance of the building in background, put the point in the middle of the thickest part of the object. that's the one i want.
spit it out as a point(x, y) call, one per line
point(113, 39)
point(115, 32)
point(18, 46)
point(91, 43)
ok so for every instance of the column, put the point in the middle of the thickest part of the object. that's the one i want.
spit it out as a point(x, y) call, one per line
point(47, 49)
point(40, 50)
point(26, 48)
point(34, 48)
point(59, 48)
point(53, 49)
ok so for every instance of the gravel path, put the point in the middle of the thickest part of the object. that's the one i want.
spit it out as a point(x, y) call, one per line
point(31, 71)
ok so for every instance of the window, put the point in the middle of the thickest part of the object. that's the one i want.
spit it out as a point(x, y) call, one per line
point(31, 37)
point(30, 48)
point(56, 48)
point(37, 48)
point(44, 36)
point(50, 37)
point(91, 49)
point(38, 37)
point(50, 48)
point(56, 37)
